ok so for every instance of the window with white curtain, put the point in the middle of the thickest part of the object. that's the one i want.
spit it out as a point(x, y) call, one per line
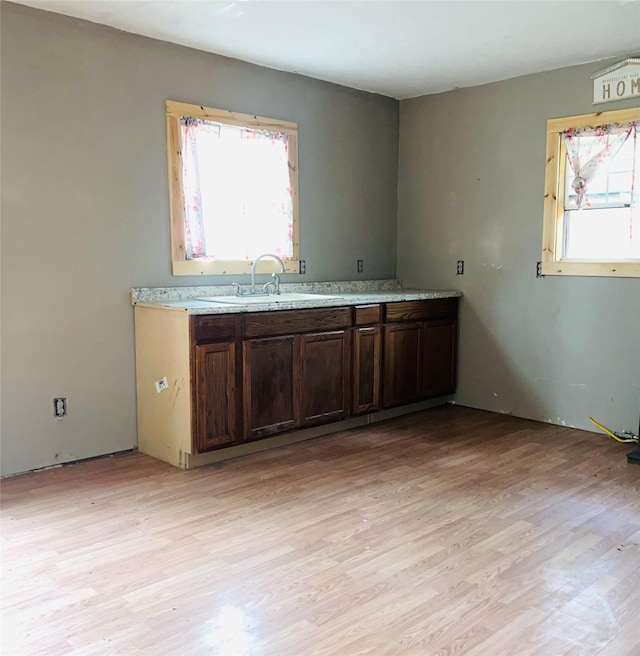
point(233, 182)
point(592, 203)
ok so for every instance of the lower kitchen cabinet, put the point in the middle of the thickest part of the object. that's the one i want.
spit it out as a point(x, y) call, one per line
point(323, 377)
point(294, 381)
point(238, 377)
point(214, 401)
point(402, 350)
point(420, 340)
point(439, 339)
point(269, 395)
point(367, 365)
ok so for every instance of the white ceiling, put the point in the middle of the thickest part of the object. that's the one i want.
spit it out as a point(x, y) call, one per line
point(397, 48)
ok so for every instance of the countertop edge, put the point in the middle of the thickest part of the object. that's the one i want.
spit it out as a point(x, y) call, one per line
point(194, 306)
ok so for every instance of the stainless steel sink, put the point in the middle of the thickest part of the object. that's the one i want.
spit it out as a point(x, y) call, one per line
point(271, 299)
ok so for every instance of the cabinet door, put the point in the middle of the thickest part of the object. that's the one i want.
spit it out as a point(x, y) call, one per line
point(402, 347)
point(439, 358)
point(367, 348)
point(215, 398)
point(323, 370)
point(269, 395)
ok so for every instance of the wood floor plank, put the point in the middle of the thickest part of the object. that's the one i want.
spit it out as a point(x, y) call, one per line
point(448, 532)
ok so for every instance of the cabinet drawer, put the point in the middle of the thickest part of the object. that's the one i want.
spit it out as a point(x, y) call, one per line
point(366, 314)
point(438, 308)
point(214, 327)
point(288, 322)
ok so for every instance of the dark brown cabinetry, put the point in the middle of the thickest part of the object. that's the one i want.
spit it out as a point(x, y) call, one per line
point(260, 373)
point(215, 395)
point(323, 377)
point(294, 381)
point(419, 350)
point(268, 390)
point(402, 349)
point(367, 358)
point(367, 351)
point(215, 387)
point(438, 357)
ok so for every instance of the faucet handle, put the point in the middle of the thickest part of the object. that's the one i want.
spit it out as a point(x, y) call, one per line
point(276, 283)
point(239, 290)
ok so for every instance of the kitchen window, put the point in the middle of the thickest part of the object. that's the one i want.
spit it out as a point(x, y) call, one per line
point(592, 201)
point(233, 186)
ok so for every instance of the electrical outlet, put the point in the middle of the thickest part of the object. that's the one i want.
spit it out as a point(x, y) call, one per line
point(303, 266)
point(460, 268)
point(60, 406)
point(360, 266)
point(162, 384)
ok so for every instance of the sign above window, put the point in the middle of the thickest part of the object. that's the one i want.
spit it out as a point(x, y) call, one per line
point(622, 80)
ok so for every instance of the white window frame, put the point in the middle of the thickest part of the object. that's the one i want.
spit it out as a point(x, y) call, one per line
point(552, 262)
point(181, 266)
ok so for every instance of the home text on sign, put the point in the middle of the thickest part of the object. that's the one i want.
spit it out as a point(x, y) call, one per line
point(622, 80)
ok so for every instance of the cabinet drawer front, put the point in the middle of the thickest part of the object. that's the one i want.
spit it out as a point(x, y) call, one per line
point(366, 314)
point(438, 308)
point(214, 327)
point(288, 322)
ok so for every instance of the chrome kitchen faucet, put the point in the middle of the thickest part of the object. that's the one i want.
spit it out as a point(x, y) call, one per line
point(265, 288)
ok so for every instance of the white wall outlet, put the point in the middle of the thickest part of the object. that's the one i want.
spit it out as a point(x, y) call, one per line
point(60, 406)
point(162, 384)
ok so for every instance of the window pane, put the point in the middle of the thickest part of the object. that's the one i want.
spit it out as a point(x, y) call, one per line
point(602, 234)
point(611, 186)
point(247, 206)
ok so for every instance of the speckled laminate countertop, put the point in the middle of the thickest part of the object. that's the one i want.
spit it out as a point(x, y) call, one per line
point(186, 299)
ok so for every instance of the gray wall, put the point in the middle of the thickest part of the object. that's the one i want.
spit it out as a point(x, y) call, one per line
point(85, 218)
point(471, 171)
point(85, 209)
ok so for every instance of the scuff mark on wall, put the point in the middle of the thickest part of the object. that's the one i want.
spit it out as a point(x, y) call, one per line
point(560, 382)
point(573, 401)
point(177, 387)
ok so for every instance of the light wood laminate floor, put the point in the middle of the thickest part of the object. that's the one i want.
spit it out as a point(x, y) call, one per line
point(448, 532)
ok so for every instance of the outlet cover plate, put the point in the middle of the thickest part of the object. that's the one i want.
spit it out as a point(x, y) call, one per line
point(60, 406)
point(162, 384)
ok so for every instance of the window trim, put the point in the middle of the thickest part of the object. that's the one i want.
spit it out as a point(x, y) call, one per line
point(552, 263)
point(180, 266)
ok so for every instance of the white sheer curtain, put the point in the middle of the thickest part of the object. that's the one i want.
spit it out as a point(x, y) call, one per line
point(195, 245)
point(590, 149)
point(238, 196)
